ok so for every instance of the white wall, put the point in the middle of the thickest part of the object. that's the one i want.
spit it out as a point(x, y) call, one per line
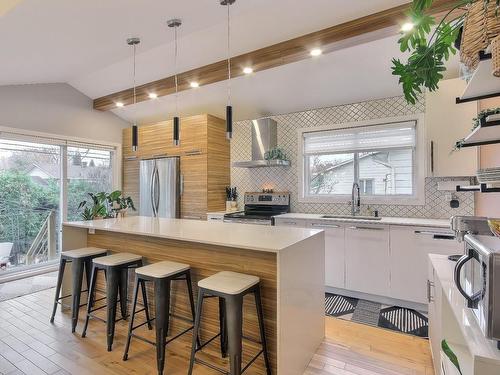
point(57, 108)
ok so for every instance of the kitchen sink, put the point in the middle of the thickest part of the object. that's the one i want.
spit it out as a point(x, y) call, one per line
point(357, 217)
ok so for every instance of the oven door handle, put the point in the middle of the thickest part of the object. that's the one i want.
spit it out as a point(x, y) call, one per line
point(458, 270)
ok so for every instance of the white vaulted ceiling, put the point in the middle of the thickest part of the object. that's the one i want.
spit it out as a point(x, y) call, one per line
point(82, 42)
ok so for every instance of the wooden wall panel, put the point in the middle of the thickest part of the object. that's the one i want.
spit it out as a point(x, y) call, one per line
point(194, 192)
point(219, 171)
point(205, 260)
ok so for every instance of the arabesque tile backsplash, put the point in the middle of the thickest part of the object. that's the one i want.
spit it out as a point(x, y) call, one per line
point(286, 179)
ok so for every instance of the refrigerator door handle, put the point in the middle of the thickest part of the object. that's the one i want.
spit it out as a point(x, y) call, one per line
point(157, 191)
point(181, 183)
point(152, 191)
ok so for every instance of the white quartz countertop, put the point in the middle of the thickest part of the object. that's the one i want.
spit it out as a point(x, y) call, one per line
point(244, 236)
point(418, 222)
point(478, 345)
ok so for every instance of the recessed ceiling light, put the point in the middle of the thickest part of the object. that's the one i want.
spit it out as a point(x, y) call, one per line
point(119, 104)
point(194, 84)
point(248, 70)
point(316, 52)
point(408, 26)
point(153, 95)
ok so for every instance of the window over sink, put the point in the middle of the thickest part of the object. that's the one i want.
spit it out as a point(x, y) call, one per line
point(384, 157)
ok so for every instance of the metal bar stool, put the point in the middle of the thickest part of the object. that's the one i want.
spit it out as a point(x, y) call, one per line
point(115, 269)
point(161, 274)
point(230, 287)
point(81, 260)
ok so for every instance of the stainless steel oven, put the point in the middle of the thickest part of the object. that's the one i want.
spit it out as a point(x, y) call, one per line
point(477, 277)
point(260, 208)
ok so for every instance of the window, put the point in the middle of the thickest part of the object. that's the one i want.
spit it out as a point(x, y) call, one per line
point(33, 198)
point(381, 158)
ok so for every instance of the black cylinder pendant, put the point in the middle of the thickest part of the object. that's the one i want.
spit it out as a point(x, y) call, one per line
point(176, 131)
point(229, 122)
point(135, 138)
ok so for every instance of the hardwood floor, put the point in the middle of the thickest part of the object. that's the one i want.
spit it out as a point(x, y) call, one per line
point(29, 344)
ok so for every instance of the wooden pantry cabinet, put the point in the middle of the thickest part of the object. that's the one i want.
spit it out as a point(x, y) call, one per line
point(204, 161)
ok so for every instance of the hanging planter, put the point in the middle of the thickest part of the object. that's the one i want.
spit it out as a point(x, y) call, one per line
point(431, 44)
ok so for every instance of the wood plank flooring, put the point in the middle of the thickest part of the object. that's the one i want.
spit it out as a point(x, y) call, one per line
point(29, 344)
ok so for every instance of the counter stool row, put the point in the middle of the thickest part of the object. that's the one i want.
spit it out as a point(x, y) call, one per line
point(228, 287)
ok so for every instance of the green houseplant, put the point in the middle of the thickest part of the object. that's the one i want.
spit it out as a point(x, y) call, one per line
point(430, 45)
point(105, 205)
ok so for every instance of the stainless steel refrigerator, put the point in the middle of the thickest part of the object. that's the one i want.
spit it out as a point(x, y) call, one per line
point(160, 187)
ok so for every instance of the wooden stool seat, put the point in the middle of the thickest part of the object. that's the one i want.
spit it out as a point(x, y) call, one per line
point(228, 282)
point(117, 259)
point(162, 269)
point(84, 252)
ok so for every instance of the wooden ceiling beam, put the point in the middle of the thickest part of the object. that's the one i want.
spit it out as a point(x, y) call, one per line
point(361, 30)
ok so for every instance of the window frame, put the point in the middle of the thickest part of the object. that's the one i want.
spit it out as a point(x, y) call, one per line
point(419, 163)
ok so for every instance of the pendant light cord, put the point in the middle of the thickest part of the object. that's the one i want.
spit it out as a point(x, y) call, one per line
point(135, 96)
point(175, 69)
point(228, 55)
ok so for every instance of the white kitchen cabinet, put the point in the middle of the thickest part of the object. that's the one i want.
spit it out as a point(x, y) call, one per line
point(447, 122)
point(334, 252)
point(367, 258)
point(434, 292)
point(410, 247)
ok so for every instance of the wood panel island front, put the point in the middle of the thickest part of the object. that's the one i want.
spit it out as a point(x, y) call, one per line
point(289, 262)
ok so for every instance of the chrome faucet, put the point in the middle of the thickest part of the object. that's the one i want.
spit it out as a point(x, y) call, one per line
point(355, 205)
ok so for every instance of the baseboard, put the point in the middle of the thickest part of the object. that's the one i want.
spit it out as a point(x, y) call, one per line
point(380, 299)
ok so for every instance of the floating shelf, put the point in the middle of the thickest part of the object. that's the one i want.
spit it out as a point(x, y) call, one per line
point(483, 84)
point(481, 188)
point(488, 132)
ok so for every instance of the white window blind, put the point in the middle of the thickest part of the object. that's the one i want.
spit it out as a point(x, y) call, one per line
point(366, 138)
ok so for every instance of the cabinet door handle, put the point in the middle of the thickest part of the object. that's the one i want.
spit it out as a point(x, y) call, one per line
point(319, 225)
point(191, 217)
point(432, 157)
point(181, 184)
point(130, 158)
point(290, 222)
point(430, 284)
point(436, 235)
point(366, 228)
point(193, 152)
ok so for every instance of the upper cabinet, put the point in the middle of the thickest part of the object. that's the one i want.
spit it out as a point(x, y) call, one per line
point(446, 122)
point(204, 154)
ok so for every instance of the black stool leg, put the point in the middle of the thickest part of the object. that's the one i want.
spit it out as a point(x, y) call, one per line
point(76, 278)
point(196, 329)
point(145, 302)
point(88, 273)
point(123, 285)
point(222, 326)
point(234, 318)
point(162, 303)
point(91, 298)
point(260, 315)
point(131, 323)
point(191, 301)
point(113, 278)
point(62, 266)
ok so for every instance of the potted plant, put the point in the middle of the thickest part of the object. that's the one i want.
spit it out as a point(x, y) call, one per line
point(119, 204)
point(97, 210)
point(105, 205)
point(430, 46)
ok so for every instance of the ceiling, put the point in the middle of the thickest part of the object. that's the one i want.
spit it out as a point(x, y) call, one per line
point(82, 42)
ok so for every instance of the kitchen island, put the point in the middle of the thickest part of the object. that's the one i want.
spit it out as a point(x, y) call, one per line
point(289, 262)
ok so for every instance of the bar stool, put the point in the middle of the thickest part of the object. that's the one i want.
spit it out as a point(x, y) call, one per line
point(161, 274)
point(81, 260)
point(230, 287)
point(115, 269)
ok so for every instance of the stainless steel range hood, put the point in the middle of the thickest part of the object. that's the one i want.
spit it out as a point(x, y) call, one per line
point(264, 138)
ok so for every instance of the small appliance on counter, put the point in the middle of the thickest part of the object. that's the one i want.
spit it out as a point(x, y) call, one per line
point(463, 225)
point(260, 208)
point(477, 277)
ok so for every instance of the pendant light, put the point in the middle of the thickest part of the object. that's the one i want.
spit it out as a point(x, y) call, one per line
point(229, 108)
point(135, 136)
point(175, 23)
